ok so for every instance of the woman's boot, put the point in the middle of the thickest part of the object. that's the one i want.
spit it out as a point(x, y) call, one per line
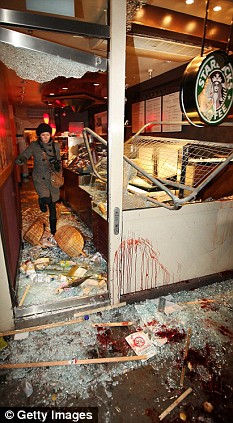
point(53, 224)
point(52, 217)
point(42, 204)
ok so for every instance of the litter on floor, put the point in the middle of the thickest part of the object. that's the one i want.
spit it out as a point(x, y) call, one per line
point(164, 359)
point(205, 314)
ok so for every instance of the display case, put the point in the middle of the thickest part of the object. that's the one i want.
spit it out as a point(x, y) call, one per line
point(85, 193)
point(167, 234)
point(171, 172)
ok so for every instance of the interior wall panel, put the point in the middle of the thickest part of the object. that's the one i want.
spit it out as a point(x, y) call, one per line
point(161, 247)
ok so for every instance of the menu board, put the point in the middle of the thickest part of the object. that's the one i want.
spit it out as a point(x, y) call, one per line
point(153, 114)
point(138, 116)
point(172, 112)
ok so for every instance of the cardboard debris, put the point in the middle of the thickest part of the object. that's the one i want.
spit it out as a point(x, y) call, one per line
point(77, 271)
point(141, 344)
point(41, 263)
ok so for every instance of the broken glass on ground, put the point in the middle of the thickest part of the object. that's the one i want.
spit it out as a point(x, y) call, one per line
point(44, 275)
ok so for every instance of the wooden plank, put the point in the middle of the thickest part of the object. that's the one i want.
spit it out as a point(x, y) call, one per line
point(111, 324)
point(175, 403)
point(72, 362)
point(41, 327)
point(201, 302)
point(185, 357)
point(24, 295)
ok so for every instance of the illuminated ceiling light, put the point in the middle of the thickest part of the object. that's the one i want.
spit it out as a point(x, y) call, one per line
point(51, 93)
point(64, 88)
point(213, 32)
point(217, 8)
point(96, 84)
point(189, 1)
point(167, 20)
point(191, 26)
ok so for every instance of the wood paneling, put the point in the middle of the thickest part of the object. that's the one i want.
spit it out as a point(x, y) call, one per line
point(77, 198)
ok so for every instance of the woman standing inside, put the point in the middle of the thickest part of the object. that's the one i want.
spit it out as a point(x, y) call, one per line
point(46, 154)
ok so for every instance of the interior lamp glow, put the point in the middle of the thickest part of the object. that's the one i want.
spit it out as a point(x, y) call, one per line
point(53, 126)
point(46, 118)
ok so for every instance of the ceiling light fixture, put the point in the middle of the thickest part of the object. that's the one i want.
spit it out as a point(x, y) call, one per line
point(217, 8)
point(189, 1)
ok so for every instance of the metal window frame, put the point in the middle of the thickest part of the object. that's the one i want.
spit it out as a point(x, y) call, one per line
point(51, 23)
point(13, 18)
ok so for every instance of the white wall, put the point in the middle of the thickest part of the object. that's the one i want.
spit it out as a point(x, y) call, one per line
point(160, 247)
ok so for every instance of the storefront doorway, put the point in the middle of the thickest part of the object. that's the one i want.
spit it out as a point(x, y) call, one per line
point(116, 102)
point(49, 279)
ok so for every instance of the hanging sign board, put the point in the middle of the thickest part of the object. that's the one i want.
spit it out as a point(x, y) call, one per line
point(206, 94)
point(171, 113)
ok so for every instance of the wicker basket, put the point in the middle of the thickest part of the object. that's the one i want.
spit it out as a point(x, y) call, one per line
point(70, 240)
point(34, 233)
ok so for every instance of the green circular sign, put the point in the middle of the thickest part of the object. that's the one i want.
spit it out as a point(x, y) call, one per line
point(207, 88)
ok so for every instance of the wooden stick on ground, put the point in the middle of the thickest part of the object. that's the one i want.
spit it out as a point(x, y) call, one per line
point(185, 357)
point(175, 403)
point(24, 295)
point(74, 361)
point(111, 324)
point(198, 302)
point(41, 327)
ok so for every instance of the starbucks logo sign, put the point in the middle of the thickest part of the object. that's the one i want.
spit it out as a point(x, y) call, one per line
point(208, 83)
